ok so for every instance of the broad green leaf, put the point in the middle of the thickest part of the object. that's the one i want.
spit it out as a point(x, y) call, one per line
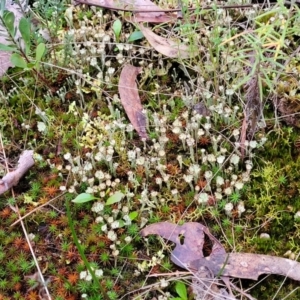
point(116, 197)
point(40, 50)
point(18, 61)
point(133, 215)
point(117, 26)
point(136, 35)
point(4, 47)
point(181, 290)
point(9, 22)
point(24, 27)
point(84, 197)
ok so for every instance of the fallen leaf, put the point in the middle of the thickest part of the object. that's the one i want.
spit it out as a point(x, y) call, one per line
point(206, 287)
point(12, 178)
point(127, 5)
point(130, 99)
point(167, 46)
point(248, 265)
point(145, 10)
point(253, 106)
point(189, 240)
point(141, 17)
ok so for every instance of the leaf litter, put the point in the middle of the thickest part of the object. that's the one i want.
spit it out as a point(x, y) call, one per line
point(130, 99)
point(143, 10)
point(189, 254)
point(167, 47)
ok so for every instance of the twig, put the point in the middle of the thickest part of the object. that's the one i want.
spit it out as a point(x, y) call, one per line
point(177, 273)
point(96, 3)
point(12, 178)
point(34, 210)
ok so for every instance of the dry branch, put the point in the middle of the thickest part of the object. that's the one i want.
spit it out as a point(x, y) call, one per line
point(12, 178)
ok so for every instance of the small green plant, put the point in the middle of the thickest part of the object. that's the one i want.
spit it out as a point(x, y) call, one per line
point(226, 222)
point(134, 36)
point(117, 27)
point(282, 179)
point(181, 291)
point(26, 53)
point(112, 295)
point(84, 197)
point(3, 284)
point(235, 197)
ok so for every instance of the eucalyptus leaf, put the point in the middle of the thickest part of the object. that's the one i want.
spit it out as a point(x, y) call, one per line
point(18, 61)
point(84, 197)
point(116, 197)
point(136, 35)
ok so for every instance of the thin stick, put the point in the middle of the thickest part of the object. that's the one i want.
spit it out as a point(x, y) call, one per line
point(34, 210)
point(177, 273)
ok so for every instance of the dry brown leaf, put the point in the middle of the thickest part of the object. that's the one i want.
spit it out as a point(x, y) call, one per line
point(141, 17)
point(130, 99)
point(12, 178)
point(189, 240)
point(248, 265)
point(254, 106)
point(154, 13)
point(219, 263)
point(167, 46)
point(127, 5)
